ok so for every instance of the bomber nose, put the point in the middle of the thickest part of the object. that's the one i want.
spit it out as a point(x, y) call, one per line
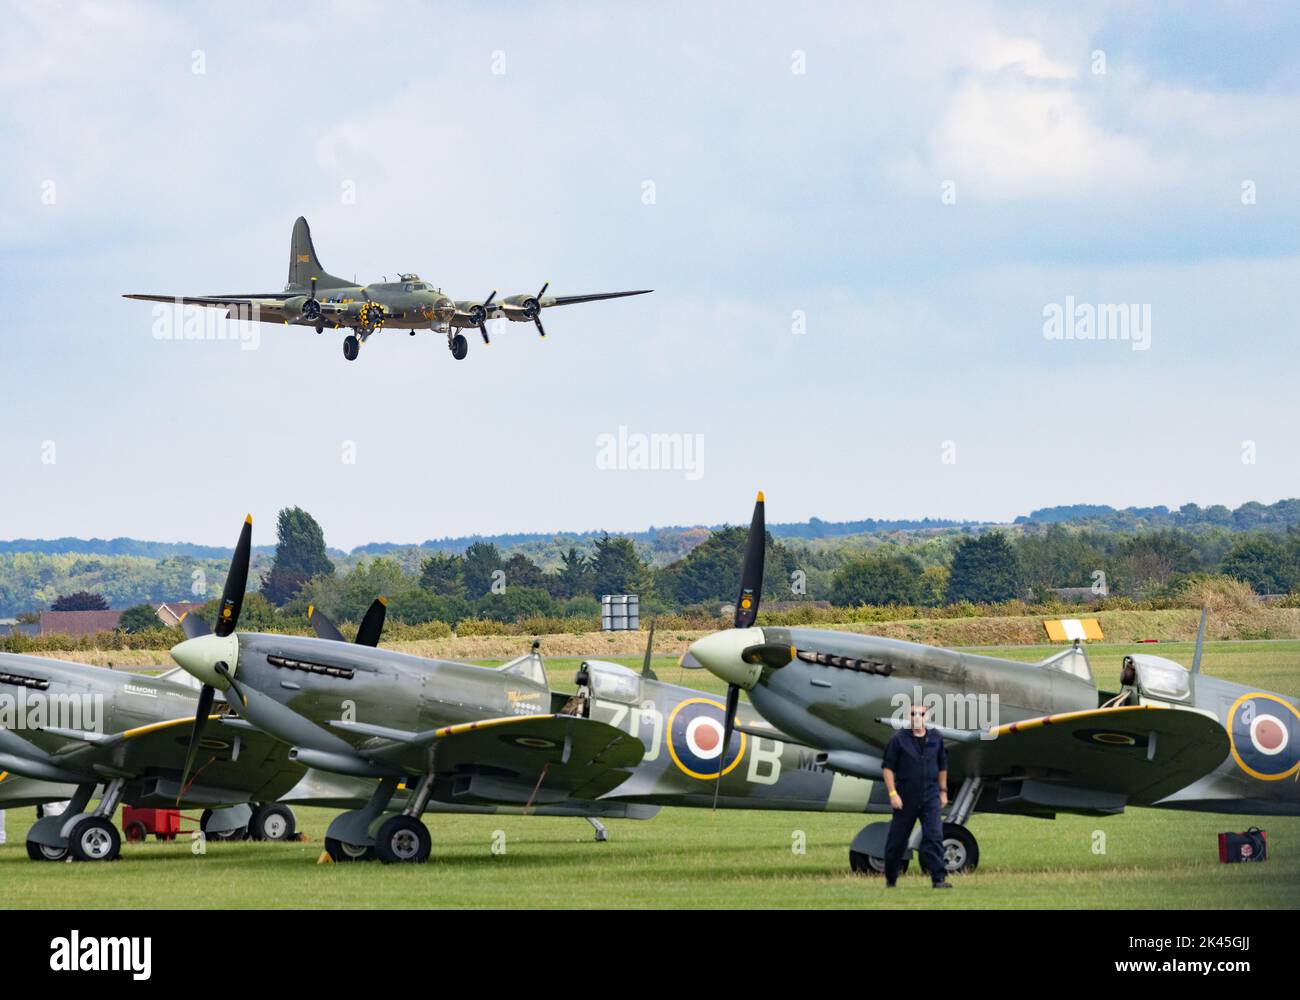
point(199, 656)
point(719, 654)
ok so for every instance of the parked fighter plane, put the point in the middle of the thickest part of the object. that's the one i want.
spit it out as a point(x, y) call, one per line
point(1165, 737)
point(464, 733)
point(314, 297)
point(75, 731)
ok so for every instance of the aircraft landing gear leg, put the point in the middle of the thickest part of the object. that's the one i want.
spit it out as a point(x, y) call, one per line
point(348, 837)
point(403, 839)
point(94, 837)
point(602, 834)
point(961, 851)
point(45, 840)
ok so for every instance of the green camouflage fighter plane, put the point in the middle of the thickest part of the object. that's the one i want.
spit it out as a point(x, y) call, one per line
point(1030, 739)
point(466, 738)
point(73, 732)
point(314, 297)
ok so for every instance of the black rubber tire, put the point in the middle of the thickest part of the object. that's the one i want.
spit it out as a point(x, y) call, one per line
point(223, 834)
point(136, 832)
point(351, 347)
point(94, 839)
point(866, 864)
point(459, 347)
point(961, 851)
point(342, 853)
point(39, 852)
point(403, 840)
point(272, 821)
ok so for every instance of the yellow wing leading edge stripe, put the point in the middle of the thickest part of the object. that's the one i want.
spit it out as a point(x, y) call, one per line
point(1047, 720)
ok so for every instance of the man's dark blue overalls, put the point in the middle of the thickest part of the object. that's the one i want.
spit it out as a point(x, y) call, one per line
point(916, 762)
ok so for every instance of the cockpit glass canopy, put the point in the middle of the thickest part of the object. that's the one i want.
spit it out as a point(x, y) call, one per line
point(613, 681)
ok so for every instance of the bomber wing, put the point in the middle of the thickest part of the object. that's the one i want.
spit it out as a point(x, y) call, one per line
point(1143, 752)
point(516, 758)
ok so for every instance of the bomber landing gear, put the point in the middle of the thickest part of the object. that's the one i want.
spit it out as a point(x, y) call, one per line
point(458, 346)
point(351, 347)
point(320, 328)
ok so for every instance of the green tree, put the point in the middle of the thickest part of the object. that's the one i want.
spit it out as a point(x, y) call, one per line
point(523, 572)
point(878, 579)
point(985, 569)
point(574, 577)
point(710, 572)
point(617, 569)
point(1265, 562)
point(482, 560)
point(299, 556)
point(441, 574)
point(82, 600)
point(139, 618)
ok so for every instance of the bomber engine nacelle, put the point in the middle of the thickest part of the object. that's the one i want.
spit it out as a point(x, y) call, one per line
point(526, 308)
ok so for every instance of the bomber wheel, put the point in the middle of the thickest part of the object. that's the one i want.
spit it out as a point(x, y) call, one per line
point(869, 864)
point(342, 852)
point(351, 347)
point(320, 328)
point(94, 839)
point(272, 822)
point(403, 840)
point(459, 347)
point(43, 852)
point(240, 834)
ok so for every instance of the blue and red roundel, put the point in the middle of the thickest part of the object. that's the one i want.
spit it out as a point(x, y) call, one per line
point(695, 739)
point(1264, 732)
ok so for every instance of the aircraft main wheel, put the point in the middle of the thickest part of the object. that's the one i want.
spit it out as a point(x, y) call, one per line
point(459, 347)
point(94, 839)
point(272, 822)
point(219, 834)
point(869, 864)
point(342, 852)
point(43, 852)
point(403, 840)
point(351, 347)
point(320, 328)
point(961, 851)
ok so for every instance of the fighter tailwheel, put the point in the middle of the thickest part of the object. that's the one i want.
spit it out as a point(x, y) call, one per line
point(459, 347)
point(351, 347)
point(868, 864)
point(403, 840)
point(272, 822)
point(341, 852)
point(94, 839)
point(43, 852)
point(240, 834)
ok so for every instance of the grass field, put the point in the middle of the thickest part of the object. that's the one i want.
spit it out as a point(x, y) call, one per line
point(689, 858)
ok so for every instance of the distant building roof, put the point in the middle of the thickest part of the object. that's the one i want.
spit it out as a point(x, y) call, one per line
point(78, 623)
point(171, 612)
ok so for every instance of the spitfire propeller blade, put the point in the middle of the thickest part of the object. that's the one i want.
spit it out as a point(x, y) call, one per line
point(769, 654)
point(751, 575)
point(322, 626)
point(232, 595)
point(728, 727)
point(372, 625)
point(206, 694)
point(193, 626)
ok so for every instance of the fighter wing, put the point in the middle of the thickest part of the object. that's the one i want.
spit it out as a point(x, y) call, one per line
point(542, 757)
point(237, 759)
point(1143, 752)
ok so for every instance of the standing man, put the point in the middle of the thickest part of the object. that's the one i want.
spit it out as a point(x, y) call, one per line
point(916, 776)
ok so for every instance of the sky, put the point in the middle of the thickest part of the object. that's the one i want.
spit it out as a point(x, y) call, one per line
point(857, 222)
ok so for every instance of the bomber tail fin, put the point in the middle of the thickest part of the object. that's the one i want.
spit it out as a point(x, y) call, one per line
point(305, 265)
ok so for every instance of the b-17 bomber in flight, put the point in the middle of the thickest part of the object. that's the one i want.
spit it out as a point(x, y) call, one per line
point(313, 297)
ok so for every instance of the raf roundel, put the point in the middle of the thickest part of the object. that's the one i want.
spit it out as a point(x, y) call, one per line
point(1264, 733)
point(695, 729)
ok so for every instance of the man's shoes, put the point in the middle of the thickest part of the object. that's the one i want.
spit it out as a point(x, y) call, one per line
point(945, 884)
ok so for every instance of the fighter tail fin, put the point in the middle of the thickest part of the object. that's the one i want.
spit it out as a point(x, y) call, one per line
point(305, 265)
